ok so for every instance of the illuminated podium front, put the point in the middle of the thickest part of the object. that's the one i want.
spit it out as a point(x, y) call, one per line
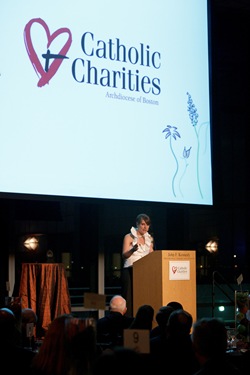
point(163, 276)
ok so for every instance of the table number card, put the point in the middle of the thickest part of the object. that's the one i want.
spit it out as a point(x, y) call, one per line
point(137, 339)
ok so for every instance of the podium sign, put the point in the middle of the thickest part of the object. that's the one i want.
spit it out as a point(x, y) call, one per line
point(163, 276)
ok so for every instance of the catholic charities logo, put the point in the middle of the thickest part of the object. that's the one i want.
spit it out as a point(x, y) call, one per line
point(46, 72)
point(179, 270)
point(91, 67)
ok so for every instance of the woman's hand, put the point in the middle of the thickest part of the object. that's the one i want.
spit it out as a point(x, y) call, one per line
point(134, 248)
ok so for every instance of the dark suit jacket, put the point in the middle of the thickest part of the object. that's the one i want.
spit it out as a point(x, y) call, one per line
point(109, 329)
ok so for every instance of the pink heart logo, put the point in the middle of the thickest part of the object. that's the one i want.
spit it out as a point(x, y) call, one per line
point(45, 76)
point(174, 269)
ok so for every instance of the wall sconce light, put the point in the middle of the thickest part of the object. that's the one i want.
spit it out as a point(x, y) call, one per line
point(212, 246)
point(31, 243)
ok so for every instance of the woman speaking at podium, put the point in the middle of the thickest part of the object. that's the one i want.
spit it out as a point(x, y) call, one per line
point(136, 245)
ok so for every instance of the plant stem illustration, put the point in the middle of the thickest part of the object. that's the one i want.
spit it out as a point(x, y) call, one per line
point(192, 168)
point(185, 154)
point(172, 133)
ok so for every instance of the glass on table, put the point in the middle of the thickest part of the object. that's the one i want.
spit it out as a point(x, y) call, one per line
point(232, 339)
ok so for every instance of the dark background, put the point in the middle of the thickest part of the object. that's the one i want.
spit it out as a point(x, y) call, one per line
point(88, 228)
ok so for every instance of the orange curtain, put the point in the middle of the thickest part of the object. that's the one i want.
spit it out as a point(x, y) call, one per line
point(44, 288)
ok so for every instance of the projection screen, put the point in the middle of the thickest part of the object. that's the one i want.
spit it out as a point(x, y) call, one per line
point(106, 99)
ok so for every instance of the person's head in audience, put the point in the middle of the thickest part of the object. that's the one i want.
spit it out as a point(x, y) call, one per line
point(6, 315)
point(209, 337)
point(9, 334)
point(68, 347)
point(162, 316)
point(175, 305)
point(179, 323)
point(15, 358)
point(143, 318)
point(118, 304)
point(29, 316)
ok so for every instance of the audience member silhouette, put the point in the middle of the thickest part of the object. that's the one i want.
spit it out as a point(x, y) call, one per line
point(175, 347)
point(161, 318)
point(83, 352)
point(14, 304)
point(69, 347)
point(143, 318)
point(109, 329)
point(176, 305)
point(9, 331)
point(16, 358)
point(209, 337)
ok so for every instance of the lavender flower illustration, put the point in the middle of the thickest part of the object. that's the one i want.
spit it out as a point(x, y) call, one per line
point(172, 133)
point(193, 115)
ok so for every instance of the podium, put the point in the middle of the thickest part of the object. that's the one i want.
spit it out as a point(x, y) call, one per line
point(163, 276)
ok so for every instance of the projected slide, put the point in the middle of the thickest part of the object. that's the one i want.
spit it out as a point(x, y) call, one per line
point(106, 99)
